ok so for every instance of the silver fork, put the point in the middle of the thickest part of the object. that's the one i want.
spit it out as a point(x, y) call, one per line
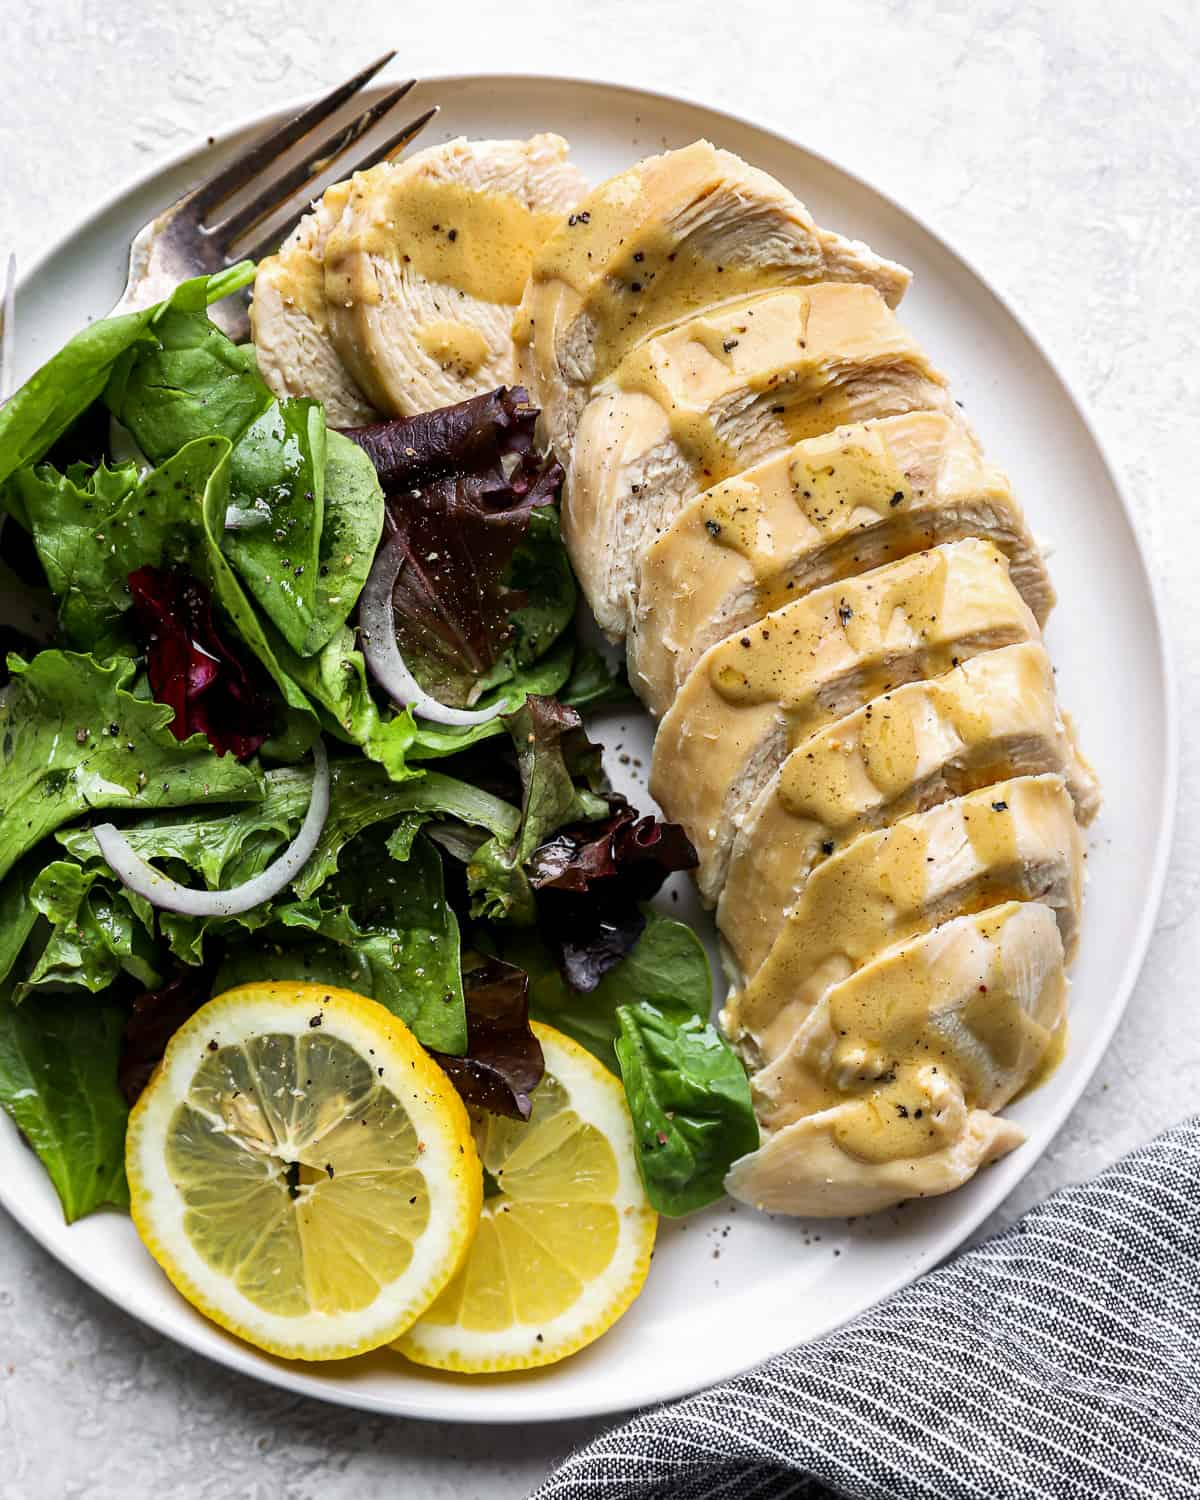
point(188, 239)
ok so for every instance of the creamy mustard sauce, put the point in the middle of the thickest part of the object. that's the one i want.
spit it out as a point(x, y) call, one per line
point(827, 508)
point(889, 886)
point(874, 631)
point(481, 243)
point(898, 1039)
point(964, 1018)
point(912, 749)
point(772, 661)
point(629, 254)
point(455, 346)
point(1048, 1063)
point(889, 742)
point(820, 491)
point(899, 1120)
point(818, 660)
point(299, 270)
point(833, 490)
point(799, 351)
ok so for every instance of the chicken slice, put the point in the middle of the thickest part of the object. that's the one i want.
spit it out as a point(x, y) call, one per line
point(805, 1169)
point(888, 1087)
point(426, 266)
point(754, 697)
point(648, 248)
point(1017, 840)
point(992, 718)
point(289, 320)
point(715, 395)
point(826, 508)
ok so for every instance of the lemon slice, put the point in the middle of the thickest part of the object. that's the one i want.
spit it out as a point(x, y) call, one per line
point(302, 1171)
point(565, 1235)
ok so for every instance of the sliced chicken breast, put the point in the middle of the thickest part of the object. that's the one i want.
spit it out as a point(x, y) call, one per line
point(713, 396)
point(989, 719)
point(1017, 840)
point(829, 507)
point(753, 698)
point(888, 1087)
point(805, 1170)
point(674, 234)
point(429, 259)
point(289, 320)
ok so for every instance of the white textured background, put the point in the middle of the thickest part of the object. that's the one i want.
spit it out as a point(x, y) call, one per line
point(1055, 143)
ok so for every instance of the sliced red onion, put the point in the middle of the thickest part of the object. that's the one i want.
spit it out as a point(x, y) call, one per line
point(161, 891)
point(377, 618)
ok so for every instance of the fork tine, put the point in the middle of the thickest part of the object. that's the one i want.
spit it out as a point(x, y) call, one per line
point(8, 331)
point(322, 155)
point(269, 242)
point(247, 166)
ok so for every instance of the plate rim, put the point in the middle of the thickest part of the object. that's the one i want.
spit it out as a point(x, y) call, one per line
point(307, 1380)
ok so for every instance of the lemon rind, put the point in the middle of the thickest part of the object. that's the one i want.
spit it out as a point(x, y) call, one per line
point(597, 1097)
point(448, 1162)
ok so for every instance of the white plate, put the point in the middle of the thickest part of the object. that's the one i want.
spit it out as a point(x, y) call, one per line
point(728, 1288)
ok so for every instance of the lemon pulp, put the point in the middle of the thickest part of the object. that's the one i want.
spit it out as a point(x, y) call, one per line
point(295, 1163)
point(565, 1232)
point(301, 1169)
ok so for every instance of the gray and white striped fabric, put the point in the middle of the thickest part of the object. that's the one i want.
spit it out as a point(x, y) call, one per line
point(1058, 1361)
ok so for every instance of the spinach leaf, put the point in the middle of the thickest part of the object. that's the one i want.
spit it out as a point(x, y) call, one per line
point(58, 1082)
point(290, 481)
point(349, 537)
point(189, 381)
point(195, 383)
point(222, 580)
point(282, 956)
point(667, 967)
point(63, 389)
point(73, 737)
point(277, 477)
point(69, 518)
point(690, 1102)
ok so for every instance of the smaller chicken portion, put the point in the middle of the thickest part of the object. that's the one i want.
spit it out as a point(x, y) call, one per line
point(754, 697)
point(1017, 840)
point(428, 261)
point(676, 233)
point(898, 1069)
point(289, 320)
point(829, 507)
point(989, 719)
point(714, 395)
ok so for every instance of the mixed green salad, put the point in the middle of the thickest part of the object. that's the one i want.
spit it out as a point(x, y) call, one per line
point(218, 605)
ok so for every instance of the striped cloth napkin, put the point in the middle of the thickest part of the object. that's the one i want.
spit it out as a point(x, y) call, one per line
point(1058, 1361)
